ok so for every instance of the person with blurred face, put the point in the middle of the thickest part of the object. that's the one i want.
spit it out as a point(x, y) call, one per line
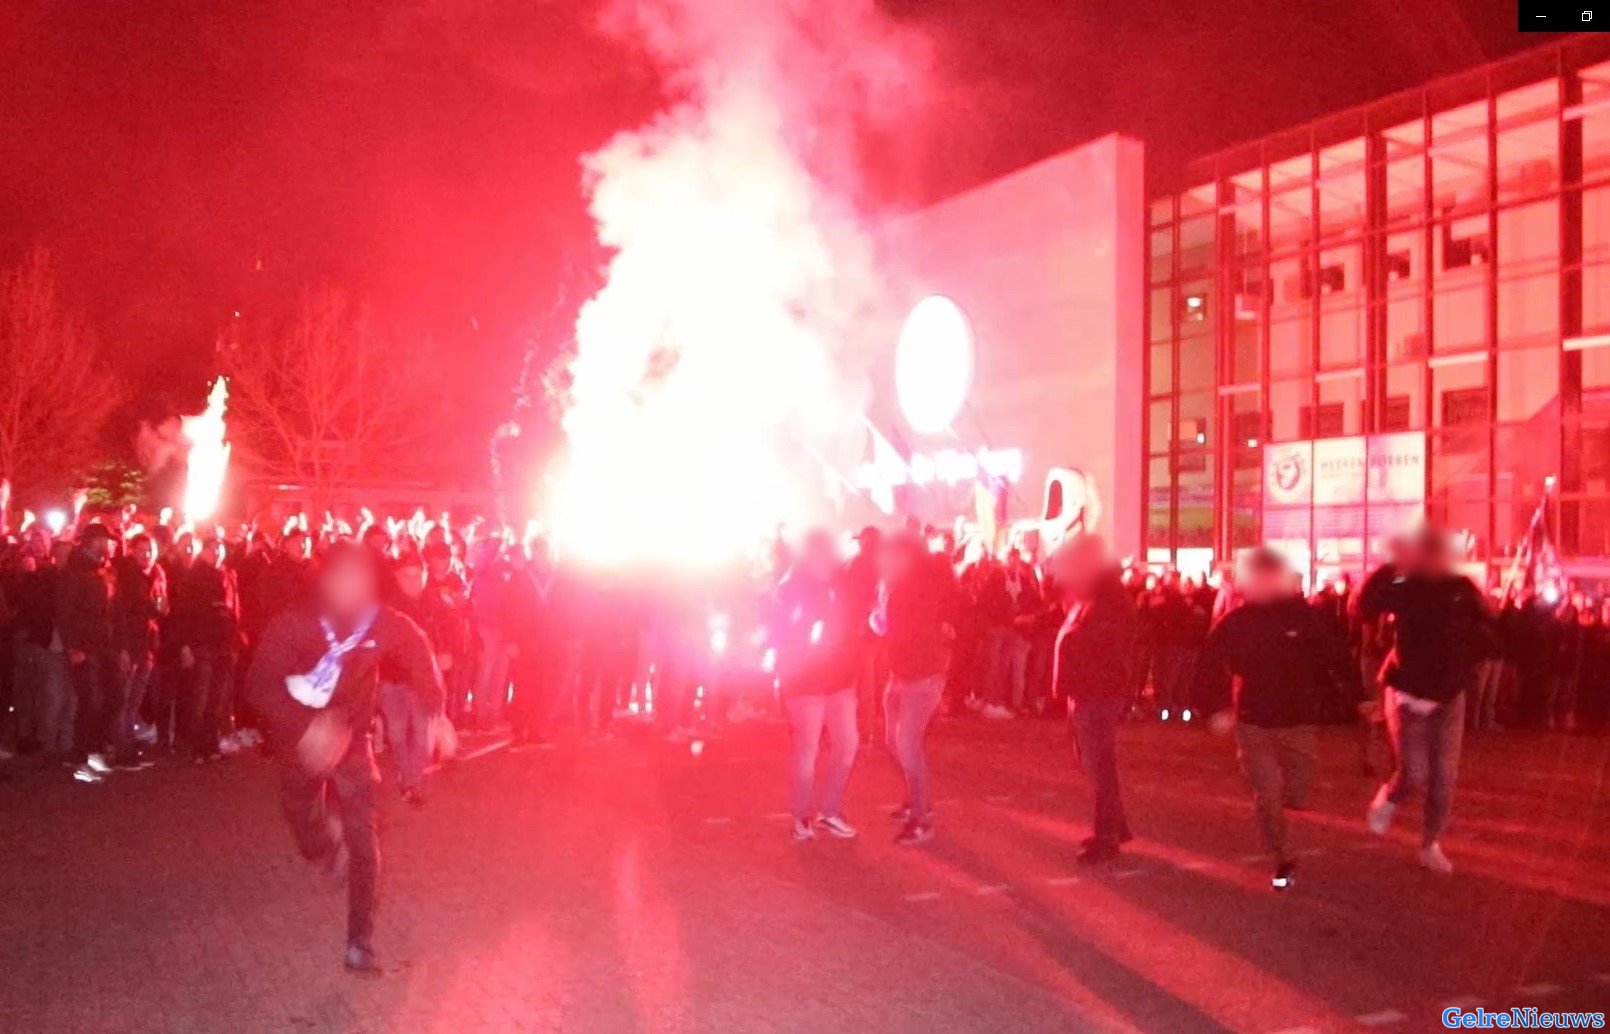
point(914, 615)
point(206, 631)
point(315, 680)
point(1441, 632)
point(1288, 669)
point(84, 623)
point(140, 604)
point(808, 631)
point(1097, 651)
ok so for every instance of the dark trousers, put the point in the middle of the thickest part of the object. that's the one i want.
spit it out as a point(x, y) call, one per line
point(341, 804)
point(211, 689)
point(1095, 734)
point(1279, 766)
point(537, 673)
point(94, 680)
point(602, 668)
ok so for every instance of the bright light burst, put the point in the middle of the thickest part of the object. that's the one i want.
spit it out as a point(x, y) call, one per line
point(208, 458)
point(708, 399)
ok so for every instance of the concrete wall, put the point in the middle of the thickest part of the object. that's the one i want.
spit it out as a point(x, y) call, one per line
point(1047, 264)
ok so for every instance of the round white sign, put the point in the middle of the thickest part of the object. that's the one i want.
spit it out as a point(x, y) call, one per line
point(933, 364)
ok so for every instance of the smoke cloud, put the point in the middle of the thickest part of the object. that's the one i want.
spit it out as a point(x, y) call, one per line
point(715, 380)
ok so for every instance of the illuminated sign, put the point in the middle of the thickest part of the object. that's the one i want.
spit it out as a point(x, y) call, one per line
point(945, 467)
point(933, 364)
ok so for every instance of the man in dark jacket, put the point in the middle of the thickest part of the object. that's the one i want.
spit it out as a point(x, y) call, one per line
point(84, 623)
point(1096, 656)
point(206, 632)
point(1274, 668)
point(809, 630)
point(140, 604)
point(1441, 632)
point(315, 681)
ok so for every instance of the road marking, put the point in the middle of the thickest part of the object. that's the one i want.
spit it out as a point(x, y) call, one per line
point(992, 888)
point(718, 821)
point(481, 752)
point(1062, 881)
point(1126, 873)
point(1383, 1018)
point(926, 896)
point(1197, 866)
point(1540, 990)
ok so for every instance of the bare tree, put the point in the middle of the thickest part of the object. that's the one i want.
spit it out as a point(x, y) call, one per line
point(56, 391)
point(329, 398)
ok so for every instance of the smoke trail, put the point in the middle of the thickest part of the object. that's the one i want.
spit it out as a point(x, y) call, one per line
point(712, 370)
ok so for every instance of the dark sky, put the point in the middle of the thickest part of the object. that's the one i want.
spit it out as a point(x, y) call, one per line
point(423, 154)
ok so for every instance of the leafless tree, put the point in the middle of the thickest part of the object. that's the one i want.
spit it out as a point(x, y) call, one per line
point(329, 397)
point(55, 389)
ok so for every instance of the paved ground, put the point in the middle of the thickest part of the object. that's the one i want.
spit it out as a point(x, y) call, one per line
point(637, 887)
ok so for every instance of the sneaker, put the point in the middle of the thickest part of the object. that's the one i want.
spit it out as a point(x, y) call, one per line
point(1379, 815)
point(1285, 875)
point(360, 958)
point(836, 826)
point(914, 834)
point(803, 831)
point(998, 712)
point(86, 774)
point(1432, 858)
point(97, 764)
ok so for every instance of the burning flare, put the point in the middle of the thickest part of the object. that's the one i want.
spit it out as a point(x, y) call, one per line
point(710, 393)
point(208, 457)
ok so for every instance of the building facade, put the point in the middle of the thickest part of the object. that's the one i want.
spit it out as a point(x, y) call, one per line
point(1400, 309)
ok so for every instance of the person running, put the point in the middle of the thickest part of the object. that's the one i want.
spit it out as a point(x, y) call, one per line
point(1442, 630)
point(914, 615)
point(316, 682)
point(1096, 656)
point(1288, 667)
point(810, 635)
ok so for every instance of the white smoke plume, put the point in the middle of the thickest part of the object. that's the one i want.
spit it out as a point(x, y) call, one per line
point(715, 376)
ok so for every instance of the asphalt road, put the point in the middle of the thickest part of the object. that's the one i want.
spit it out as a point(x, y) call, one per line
point(636, 886)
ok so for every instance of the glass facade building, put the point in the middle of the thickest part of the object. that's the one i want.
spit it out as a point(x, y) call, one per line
point(1405, 306)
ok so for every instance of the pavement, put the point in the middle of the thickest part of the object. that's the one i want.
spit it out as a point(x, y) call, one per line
point(639, 886)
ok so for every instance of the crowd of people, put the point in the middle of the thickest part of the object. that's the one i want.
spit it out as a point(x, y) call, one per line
point(126, 640)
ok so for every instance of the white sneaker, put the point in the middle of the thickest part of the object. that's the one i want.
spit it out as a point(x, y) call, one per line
point(998, 711)
point(803, 831)
point(1432, 858)
point(836, 826)
point(1379, 814)
point(85, 774)
point(97, 764)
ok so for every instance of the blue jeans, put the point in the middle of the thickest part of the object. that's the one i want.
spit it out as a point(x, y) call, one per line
point(808, 716)
point(1428, 757)
point(908, 707)
point(406, 733)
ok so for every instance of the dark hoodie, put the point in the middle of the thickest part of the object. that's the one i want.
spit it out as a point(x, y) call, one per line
point(1281, 664)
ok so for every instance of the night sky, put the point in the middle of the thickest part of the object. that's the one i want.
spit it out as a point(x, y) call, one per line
point(187, 160)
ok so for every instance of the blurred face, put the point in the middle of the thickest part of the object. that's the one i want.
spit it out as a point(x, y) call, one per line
point(348, 588)
point(1265, 584)
point(895, 562)
point(144, 552)
point(411, 579)
point(297, 546)
point(98, 549)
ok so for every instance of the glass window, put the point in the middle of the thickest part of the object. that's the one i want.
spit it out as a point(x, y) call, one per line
point(1528, 141)
point(1246, 504)
point(1195, 498)
point(1403, 403)
point(1458, 494)
point(1341, 406)
point(1459, 159)
point(1529, 281)
point(1160, 424)
point(1162, 371)
point(1288, 402)
point(1341, 306)
point(1525, 454)
point(1596, 257)
point(1406, 191)
point(1291, 221)
point(1595, 122)
point(1459, 313)
point(1196, 419)
point(1162, 211)
point(1462, 394)
point(1162, 254)
point(1196, 244)
point(1162, 314)
point(1246, 350)
point(1160, 499)
point(1341, 190)
point(1529, 384)
point(1248, 227)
